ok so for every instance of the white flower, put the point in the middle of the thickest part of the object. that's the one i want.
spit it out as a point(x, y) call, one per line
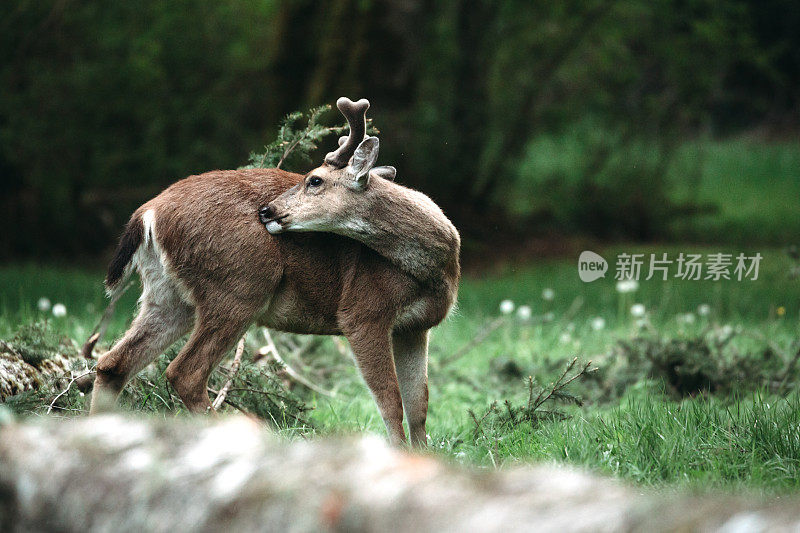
point(687, 318)
point(565, 337)
point(598, 323)
point(627, 285)
point(524, 312)
point(43, 304)
point(727, 330)
point(638, 310)
point(548, 294)
point(703, 309)
point(507, 307)
point(59, 310)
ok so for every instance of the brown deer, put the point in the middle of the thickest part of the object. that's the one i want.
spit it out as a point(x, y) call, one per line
point(346, 251)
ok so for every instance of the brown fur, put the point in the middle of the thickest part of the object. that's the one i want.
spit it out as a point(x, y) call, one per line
point(222, 271)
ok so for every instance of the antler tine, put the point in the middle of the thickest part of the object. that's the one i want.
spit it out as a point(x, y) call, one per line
point(356, 115)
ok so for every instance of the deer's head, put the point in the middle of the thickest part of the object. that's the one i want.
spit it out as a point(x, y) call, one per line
point(329, 197)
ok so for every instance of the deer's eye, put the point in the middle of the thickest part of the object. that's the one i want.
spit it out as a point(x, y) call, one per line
point(314, 181)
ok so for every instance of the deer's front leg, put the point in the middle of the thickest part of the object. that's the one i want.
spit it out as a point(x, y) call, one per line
point(372, 348)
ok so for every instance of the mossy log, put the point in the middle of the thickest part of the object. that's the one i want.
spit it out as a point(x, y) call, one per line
point(18, 376)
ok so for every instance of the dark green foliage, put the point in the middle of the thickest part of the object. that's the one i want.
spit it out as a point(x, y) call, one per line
point(104, 104)
point(542, 404)
point(291, 144)
point(296, 142)
point(255, 388)
point(29, 401)
point(36, 342)
point(623, 74)
point(704, 364)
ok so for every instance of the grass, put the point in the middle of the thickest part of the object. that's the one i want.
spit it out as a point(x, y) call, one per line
point(651, 440)
point(754, 185)
point(646, 434)
point(745, 190)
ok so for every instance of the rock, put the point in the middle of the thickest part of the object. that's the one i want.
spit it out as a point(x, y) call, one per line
point(115, 473)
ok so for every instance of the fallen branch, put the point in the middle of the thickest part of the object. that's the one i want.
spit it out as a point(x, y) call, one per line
point(101, 327)
point(272, 349)
point(574, 307)
point(478, 422)
point(475, 341)
point(237, 360)
point(557, 386)
point(253, 416)
point(62, 393)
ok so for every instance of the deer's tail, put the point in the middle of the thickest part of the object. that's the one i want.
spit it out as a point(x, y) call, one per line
point(120, 267)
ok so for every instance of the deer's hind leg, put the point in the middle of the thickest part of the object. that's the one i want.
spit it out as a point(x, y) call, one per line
point(411, 361)
point(163, 318)
point(214, 334)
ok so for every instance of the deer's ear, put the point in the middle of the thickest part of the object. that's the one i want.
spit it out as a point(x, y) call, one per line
point(362, 161)
point(387, 173)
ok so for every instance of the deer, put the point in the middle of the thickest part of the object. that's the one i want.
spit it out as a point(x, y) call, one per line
point(341, 250)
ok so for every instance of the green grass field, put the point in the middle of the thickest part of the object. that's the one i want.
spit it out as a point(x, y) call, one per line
point(632, 424)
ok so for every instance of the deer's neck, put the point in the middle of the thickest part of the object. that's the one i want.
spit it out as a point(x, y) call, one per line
point(408, 229)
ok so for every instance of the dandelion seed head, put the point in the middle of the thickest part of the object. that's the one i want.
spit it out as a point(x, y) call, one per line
point(524, 312)
point(548, 294)
point(598, 323)
point(59, 310)
point(627, 285)
point(507, 307)
point(638, 310)
point(703, 309)
point(43, 304)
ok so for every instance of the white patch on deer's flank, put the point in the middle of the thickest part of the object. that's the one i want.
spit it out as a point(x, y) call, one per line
point(149, 221)
point(159, 282)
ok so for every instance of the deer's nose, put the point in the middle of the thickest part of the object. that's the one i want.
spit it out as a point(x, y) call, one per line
point(266, 213)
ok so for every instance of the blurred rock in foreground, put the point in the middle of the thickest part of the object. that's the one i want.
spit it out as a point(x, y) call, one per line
point(115, 473)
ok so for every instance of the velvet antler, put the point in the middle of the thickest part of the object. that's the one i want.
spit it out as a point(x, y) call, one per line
point(356, 115)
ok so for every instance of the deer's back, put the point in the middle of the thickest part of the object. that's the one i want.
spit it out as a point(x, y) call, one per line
point(208, 230)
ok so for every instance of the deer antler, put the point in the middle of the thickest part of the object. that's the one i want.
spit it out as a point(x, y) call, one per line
point(356, 115)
